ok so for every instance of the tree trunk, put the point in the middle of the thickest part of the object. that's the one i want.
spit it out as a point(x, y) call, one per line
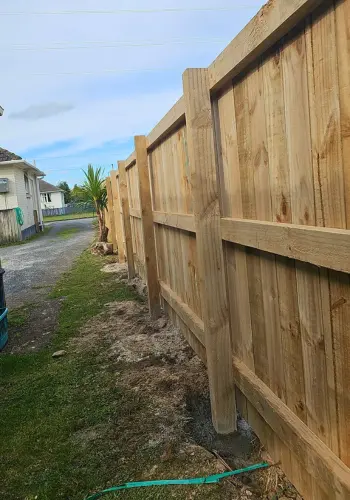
point(102, 229)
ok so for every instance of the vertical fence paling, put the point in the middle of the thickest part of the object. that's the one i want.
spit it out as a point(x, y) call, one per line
point(126, 218)
point(200, 138)
point(271, 291)
point(147, 225)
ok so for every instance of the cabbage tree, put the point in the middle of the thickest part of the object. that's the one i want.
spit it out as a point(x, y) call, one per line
point(95, 189)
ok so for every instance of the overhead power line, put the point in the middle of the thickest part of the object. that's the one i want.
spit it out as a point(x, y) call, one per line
point(76, 156)
point(99, 72)
point(130, 11)
point(111, 44)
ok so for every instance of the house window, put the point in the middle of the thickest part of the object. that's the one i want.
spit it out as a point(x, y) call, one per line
point(26, 183)
point(46, 197)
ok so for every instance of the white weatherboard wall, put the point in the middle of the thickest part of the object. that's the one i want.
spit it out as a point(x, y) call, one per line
point(26, 200)
point(18, 195)
point(8, 200)
point(57, 200)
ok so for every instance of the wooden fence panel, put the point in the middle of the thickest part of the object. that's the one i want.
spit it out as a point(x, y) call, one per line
point(171, 188)
point(135, 220)
point(281, 110)
point(176, 248)
point(10, 230)
point(290, 304)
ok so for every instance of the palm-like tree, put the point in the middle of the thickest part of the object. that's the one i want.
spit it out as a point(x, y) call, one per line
point(95, 189)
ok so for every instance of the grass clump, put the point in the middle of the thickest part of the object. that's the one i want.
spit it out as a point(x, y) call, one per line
point(18, 317)
point(65, 234)
point(53, 218)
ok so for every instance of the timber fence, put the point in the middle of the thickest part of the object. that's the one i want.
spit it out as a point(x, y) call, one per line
point(235, 210)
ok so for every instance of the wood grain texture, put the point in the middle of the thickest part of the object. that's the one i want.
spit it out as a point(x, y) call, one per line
point(130, 161)
point(276, 146)
point(132, 176)
point(231, 202)
point(147, 226)
point(262, 200)
point(117, 215)
point(340, 305)
point(314, 322)
point(320, 246)
point(171, 121)
point(178, 221)
point(328, 169)
point(209, 248)
point(329, 471)
point(135, 212)
point(243, 113)
point(126, 218)
point(271, 23)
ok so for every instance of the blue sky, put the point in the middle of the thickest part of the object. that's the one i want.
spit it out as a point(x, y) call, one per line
point(124, 73)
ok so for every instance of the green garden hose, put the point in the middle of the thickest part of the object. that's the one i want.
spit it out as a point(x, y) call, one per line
point(216, 478)
point(19, 216)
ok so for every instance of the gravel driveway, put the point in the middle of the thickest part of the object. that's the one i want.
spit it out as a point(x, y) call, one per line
point(32, 269)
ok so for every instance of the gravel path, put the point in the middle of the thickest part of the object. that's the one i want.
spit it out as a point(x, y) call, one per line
point(33, 269)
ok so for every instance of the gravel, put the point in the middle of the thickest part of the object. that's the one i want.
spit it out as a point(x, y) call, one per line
point(32, 269)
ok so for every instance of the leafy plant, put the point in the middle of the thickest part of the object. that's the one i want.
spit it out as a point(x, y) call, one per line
point(67, 191)
point(94, 188)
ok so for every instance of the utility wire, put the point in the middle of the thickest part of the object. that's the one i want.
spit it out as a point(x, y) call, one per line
point(131, 11)
point(76, 156)
point(116, 44)
point(99, 72)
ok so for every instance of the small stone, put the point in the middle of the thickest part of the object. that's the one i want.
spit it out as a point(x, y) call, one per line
point(248, 493)
point(160, 323)
point(200, 451)
point(59, 354)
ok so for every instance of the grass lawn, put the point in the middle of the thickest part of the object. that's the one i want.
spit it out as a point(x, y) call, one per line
point(54, 218)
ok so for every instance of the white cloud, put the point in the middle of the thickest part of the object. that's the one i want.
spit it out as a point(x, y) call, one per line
point(41, 111)
point(92, 110)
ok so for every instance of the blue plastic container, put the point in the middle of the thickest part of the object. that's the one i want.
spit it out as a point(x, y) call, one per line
point(3, 313)
point(3, 328)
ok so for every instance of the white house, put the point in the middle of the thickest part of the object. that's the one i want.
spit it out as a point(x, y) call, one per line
point(20, 211)
point(51, 196)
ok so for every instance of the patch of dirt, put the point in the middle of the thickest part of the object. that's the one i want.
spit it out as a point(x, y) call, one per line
point(152, 359)
point(36, 332)
point(122, 274)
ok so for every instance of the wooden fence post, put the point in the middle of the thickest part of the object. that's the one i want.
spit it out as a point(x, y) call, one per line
point(111, 224)
point(117, 215)
point(147, 225)
point(200, 138)
point(126, 218)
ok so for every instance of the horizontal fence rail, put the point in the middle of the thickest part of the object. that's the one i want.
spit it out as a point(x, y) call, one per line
point(235, 211)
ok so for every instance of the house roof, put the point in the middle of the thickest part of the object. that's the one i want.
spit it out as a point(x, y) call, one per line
point(8, 156)
point(46, 187)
